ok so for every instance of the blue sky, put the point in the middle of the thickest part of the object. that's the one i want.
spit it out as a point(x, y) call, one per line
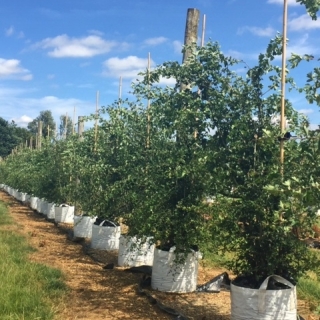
point(57, 54)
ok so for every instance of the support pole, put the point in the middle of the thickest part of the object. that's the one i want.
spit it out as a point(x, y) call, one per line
point(65, 126)
point(80, 128)
point(203, 30)
point(39, 134)
point(283, 82)
point(96, 122)
point(148, 105)
point(73, 119)
point(191, 31)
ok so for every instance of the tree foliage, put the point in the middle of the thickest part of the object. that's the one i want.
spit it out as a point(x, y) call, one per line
point(47, 123)
point(65, 126)
point(11, 136)
point(219, 137)
point(312, 7)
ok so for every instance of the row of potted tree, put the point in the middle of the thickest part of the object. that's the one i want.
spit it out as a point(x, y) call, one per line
point(155, 168)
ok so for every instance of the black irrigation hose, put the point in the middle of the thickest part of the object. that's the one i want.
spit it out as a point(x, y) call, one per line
point(145, 280)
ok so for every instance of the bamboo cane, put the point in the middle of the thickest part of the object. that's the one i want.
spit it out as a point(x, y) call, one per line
point(96, 122)
point(203, 29)
point(39, 134)
point(65, 126)
point(73, 120)
point(283, 82)
point(148, 105)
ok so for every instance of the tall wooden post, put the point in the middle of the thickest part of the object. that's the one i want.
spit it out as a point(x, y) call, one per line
point(65, 127)
point(73, 119)
point(80, 127)
point(191, 31)
point(190, 35)
point(39, 133)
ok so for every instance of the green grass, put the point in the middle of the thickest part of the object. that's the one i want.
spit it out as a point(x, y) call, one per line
point(28, 290)
point(308, 287)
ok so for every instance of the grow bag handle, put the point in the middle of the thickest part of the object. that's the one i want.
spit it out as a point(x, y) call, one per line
point(263, 291)
point(64, 204)
point(107, 221)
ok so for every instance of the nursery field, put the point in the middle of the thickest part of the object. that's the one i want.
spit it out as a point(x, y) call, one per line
point(97, 292)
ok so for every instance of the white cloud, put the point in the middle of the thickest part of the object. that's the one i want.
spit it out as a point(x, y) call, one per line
point(313, 126)
point(12, 69)
point(177, 46)
point(50, 76)
point(10, 31)
point(96, 32)
point(290, 2)
point(261, 32)
point(167, 81)
point(15, 105)
point(22, 121)
point(128, 67)
point(306, 111)
point(302, 46)
point(241, 55)
point(303, 22)
point(65, 46)
point(155, 41)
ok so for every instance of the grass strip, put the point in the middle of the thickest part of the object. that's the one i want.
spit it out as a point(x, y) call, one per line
point(28, 290)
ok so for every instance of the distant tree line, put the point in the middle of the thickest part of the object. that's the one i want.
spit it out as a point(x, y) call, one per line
point(12, 135)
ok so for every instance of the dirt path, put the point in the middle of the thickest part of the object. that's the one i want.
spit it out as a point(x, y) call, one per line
point(97, 293)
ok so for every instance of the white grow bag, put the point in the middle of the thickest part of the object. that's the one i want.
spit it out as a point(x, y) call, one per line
point(41, 206)
point(34, 202)
point(133, 253)
point(50, 212)
point(82, 227)
point(44, 207)
point(104, 237)
point(23, 197)
point(263, 304)
point(168, 276)
point(18, 195)
point(64, 213)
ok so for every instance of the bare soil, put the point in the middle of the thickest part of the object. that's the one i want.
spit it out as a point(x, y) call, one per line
point(97, 293)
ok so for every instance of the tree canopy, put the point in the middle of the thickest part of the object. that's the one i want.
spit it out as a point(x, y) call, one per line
point(11, 136)
point(47, 122)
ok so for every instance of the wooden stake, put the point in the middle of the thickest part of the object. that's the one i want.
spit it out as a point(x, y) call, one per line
point(73, 120)
point(120, 87)
point(283, 81)
point(148, 105)
point(96, 122)
point(39, 134)
point(80, 128)
point(203, 29)
point(65, 127)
